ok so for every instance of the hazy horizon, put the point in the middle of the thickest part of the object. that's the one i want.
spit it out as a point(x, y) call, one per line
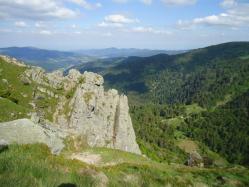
point(119, 48)
point(111, 47)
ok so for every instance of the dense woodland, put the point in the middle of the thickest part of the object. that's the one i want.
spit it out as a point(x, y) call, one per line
point(225, 130)
point(156, 138)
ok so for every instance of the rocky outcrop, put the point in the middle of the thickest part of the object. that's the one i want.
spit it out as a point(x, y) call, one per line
point(85, 109)
point(102, 117)
point(24, 131)
point(12, 60)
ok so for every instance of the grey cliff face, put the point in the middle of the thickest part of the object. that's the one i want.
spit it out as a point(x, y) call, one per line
point(101, 117)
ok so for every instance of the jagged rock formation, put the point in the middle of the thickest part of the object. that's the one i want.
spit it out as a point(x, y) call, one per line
point(102, 117)
point(82, 108)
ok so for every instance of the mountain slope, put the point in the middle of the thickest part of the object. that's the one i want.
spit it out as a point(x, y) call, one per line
point(216, 79)
point(33, 165)
point(204, 73)
point(224, 130)
point(53, 60)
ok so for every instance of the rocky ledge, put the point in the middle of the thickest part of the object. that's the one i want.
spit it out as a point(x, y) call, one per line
point(83, 109)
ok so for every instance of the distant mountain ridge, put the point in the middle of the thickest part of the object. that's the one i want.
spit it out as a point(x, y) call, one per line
point(53, 59)
point(47, 59)
point(126, 52)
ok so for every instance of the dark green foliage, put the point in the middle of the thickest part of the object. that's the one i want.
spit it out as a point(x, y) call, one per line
point(225, 130)
point(200, 76)
point(156, 138)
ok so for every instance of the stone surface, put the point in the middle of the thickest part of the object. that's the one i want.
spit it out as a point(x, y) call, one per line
point(24, 131)
point(102, 117)
point(12, 60)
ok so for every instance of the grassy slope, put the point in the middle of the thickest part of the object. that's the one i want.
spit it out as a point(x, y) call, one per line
point(33, 165)
point(15, 95)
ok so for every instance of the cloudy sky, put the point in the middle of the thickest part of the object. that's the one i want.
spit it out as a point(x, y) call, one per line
point(153, 24)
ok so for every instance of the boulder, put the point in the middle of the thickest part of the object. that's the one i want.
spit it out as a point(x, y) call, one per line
point(24, 131)
point(195, 159)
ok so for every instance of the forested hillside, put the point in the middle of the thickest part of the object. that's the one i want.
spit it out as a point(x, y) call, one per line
point(203, 73)
point(215, 79)
point(224, 130)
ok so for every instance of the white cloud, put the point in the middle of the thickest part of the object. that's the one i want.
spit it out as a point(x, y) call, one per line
point(119, 18)
point(116, 20)
point(20, 24)
point(228, 3)
point(235, 15)
point(45, 32)
point(179, 2)
point(85, 4)
point(35, 9)
point(107, 24)
point(150, 30)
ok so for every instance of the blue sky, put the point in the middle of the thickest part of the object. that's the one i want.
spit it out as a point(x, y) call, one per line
point(153, 24)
